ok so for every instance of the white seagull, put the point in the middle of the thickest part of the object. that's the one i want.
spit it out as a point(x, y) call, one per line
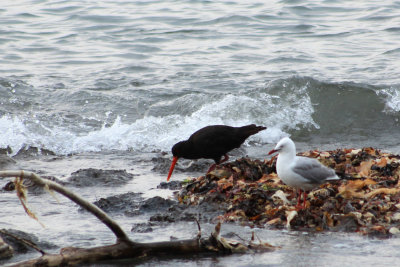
point(300, 172)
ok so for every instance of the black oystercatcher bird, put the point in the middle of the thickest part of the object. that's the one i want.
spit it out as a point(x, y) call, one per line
point(212, 142)
point(301, 173)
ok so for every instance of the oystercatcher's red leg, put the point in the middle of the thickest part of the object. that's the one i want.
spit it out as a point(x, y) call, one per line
point(224, 159)
point(212, 167)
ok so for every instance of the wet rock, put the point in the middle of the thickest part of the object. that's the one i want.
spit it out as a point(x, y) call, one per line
point(172, 185)
point(204, 212)
point(6, 161)
point(142, 228)
point(162, 165)
point(126, 203)
point(208, 211)
point(99, 177)
point(30, 151)
point(5, 151)
point(162, 218)
point(14, 237)
point(176, 213)
point(156, 204)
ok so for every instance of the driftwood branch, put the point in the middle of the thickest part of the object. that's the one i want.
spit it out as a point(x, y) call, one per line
point(124, 247)
point(130, 250)
point(101, 215)
point(23, 241)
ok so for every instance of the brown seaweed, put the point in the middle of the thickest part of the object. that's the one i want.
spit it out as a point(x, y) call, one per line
point(366, 200)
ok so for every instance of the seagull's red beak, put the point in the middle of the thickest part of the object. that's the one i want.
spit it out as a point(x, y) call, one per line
point(171, 169)
point(272, 151)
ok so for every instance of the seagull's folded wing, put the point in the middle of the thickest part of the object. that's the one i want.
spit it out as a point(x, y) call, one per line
point(313, 170)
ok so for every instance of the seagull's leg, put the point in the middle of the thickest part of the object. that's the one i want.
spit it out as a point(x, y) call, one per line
point(298, 206)
point(304, 199)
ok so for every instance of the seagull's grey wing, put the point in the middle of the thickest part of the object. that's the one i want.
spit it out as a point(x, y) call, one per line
point(313, 170)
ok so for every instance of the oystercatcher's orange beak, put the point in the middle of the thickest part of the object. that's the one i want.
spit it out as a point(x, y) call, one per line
point(171, 169)
point(272, 151)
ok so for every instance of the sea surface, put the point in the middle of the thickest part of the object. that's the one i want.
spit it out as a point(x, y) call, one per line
point(114, 84)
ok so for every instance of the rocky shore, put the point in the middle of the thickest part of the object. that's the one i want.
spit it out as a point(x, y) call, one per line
point(246, 192)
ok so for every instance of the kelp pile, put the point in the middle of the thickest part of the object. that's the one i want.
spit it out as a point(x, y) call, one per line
point(365, 200)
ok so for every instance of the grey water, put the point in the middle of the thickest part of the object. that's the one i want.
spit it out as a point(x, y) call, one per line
point(114, 84)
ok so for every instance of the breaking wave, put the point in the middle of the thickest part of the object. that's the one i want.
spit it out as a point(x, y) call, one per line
point(299, 106)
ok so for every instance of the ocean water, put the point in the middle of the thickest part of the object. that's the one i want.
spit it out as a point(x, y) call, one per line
point(79, 76)
point(110, 81)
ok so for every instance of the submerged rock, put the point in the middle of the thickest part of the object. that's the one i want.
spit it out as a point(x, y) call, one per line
point(172, 185)
point(156, 204)
point(204, 212)
point(142, 228)
point(6, 162)
point(126, 203)
point(99, 177)
point(5, 151)
point(30, 151)
point(19, 241)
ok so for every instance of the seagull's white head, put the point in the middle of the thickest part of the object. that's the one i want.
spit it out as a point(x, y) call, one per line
point(284, 146)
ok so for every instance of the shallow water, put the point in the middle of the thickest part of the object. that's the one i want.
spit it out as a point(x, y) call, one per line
point(113, 84)
point(67, 226)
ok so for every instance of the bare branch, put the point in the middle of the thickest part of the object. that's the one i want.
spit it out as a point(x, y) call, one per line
point(24, 241)
point(101, 215)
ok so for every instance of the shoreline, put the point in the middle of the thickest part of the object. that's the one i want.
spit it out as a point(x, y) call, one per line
point(147, 176)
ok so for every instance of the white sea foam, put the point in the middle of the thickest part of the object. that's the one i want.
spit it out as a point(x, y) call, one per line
point(13, 133)
point(392, 96)
point(160, 133)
